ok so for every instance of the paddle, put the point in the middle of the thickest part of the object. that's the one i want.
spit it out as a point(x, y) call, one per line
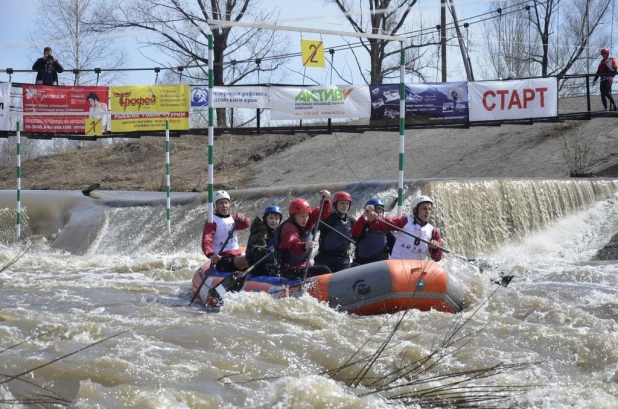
point(315, 232)
point(504, 281)
point(423, 240)
point(212, 265)
point(338, 232)
point(235, 281)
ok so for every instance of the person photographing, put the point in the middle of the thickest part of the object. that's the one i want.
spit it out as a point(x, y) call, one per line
point(47, 68)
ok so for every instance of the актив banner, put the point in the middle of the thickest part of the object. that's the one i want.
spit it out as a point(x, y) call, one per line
point(425, 103)
point(90, 100)
point(147, 107)
point(320, 102)
point(516, 99)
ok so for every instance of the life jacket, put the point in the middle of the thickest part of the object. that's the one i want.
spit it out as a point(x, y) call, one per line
point(224, 226)
point(410, 248)
point(331, 242)
point(270, 242)
point(372, 245)
point(287, 258)
point(606, 68)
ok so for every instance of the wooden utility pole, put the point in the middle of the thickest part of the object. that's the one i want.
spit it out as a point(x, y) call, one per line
point(443, 38)
point(462, 47)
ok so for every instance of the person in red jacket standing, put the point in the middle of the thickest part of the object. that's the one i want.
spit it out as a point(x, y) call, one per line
point(407, 247)
point(222, 232)
point(294, 240)
point(607, 71)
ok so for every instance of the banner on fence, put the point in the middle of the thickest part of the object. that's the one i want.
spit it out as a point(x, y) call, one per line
point(90, 100)
point(320, 102)
point(5, 103)
point(231, 97)
point(518, 99)
point(425, 103)
point(145, 107)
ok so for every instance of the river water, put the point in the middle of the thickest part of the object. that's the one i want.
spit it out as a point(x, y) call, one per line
point(96, 267)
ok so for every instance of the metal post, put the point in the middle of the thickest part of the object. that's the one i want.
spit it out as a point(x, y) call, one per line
point(588, 95)
point(443, 38)
point(211, 131)
point(402, 128)
point(167, 175)
point(18, 179)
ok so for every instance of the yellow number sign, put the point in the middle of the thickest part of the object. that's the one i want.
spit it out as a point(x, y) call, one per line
point(313, 53)
point(93, 126)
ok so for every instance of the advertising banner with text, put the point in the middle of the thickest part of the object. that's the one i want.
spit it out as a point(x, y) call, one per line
point(231, 97)
point(320, 102)
point(90, 100)
point(5, 103)
point(439, 103)
point(516, 99)
point(145, 107)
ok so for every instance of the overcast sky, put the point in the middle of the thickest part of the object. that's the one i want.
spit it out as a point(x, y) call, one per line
point(16, 51)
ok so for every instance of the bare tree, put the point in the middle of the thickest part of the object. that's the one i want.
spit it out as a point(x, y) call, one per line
point(548, 39)
point(181, 34)
point(67, 26)
point(385, 17)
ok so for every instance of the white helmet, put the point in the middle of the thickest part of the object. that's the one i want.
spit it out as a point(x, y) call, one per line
point(221, 194)
point(418, 201)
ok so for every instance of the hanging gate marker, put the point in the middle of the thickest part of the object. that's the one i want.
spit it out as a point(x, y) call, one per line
point(18, 179)
point(167, 175)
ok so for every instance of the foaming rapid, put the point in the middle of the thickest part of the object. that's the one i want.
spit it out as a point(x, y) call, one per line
point(100, 266)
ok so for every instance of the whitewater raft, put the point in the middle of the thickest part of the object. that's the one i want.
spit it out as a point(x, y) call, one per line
point(376, 288)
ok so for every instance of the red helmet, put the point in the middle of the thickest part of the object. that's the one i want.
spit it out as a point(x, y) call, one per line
point(299, 206)
point(342, 196)
point(604, 51)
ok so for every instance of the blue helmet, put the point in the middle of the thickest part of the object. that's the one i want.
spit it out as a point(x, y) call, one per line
point(273, 208)
point(375, 202)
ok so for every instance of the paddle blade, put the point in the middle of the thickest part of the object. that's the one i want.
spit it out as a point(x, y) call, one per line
point(232, 283)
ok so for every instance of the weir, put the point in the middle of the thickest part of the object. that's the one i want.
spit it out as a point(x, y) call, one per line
point(475, 216)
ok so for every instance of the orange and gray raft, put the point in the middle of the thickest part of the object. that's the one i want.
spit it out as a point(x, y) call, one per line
point(375, 288)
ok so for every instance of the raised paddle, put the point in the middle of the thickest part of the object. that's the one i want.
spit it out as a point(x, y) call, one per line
point(315, 232)
point(235, 281)
point(504, 280)
point(212, 265)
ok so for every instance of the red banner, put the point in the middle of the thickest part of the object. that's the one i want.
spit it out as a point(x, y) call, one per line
point(92, 101)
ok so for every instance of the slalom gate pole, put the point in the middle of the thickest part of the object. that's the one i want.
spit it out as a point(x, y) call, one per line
point(167, 175)
point(18, 179)
point(211, 131)
point(402, 128)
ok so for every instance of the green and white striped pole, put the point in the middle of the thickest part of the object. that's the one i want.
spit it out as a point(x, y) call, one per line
point(402, 128)
point(211, 132)
point(167, 175)
point(18, 179)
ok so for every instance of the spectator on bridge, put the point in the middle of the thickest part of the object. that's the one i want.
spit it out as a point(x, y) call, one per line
point(47, 68)
point(607, 70)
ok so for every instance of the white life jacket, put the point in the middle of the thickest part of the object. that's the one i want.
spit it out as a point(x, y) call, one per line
point(407, 247)
point(224, 225)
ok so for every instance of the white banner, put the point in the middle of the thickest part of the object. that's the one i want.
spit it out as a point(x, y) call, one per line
point(320, 102)
point(5, 103)
point(231, 97)
point(518, 99)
